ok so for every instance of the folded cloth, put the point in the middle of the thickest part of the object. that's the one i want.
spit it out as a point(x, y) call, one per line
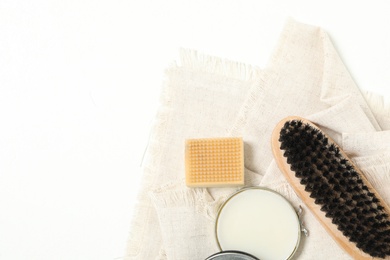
point(380, 107)
point(304, 76)
point(210, 97)
point(201, 98)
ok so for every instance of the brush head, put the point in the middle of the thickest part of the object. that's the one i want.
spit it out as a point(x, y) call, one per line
point(331, 183)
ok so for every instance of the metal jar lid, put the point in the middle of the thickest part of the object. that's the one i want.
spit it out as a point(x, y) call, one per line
point(231, 255)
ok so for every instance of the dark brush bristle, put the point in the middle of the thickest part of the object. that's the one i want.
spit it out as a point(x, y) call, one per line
point(333, 183)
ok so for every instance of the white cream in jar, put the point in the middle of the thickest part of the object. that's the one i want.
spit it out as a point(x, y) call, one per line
point(260, 222)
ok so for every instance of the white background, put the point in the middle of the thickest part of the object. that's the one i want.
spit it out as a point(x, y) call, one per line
point(79, 88)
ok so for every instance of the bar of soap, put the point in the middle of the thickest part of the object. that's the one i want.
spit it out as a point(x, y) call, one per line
point(214, 162)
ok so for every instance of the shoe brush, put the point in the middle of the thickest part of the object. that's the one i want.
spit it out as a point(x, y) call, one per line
point(333, 188)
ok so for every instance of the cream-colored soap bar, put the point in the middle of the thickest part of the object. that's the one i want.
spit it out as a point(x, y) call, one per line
point(214, 162)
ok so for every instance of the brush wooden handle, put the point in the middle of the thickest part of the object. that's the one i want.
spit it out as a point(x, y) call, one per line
point(326, 222)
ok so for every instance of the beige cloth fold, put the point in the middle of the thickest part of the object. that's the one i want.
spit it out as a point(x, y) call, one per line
point(201, 98)
point(209, 97)
point(305, 76)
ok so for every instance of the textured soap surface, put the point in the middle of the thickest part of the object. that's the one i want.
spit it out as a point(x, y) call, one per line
point(214, 162)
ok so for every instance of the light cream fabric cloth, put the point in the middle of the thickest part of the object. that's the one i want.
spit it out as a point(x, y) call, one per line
point(201, 98)
point(209, 97)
